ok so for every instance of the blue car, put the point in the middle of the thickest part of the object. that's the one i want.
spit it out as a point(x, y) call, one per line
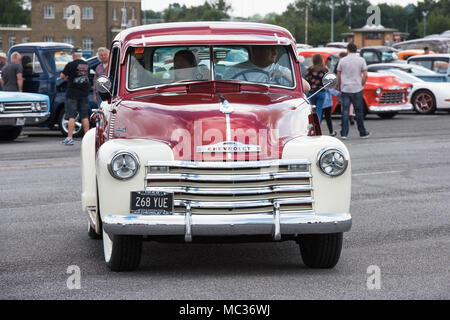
point(18, 109)
point(42, 64)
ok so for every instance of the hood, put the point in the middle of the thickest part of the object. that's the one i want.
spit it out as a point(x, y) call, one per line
point(12, 96)
point(260, 124)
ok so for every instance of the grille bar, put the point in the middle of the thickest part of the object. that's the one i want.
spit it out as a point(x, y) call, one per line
point(392, 97)
point(235, 191)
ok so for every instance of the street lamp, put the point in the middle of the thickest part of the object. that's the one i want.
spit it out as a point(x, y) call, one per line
point(424, 13)
point(332, 21)
point(349, 15)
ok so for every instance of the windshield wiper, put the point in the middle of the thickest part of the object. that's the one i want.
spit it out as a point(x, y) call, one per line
point(177, 83)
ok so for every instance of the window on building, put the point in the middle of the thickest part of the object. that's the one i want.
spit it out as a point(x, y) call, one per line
point(88, 44)
point(1, 43)
point(25, 39)
point(12, 41)
point(373, 35)
point(124, 18)
point(68, 40)
point(133, 14)
point(49, 12)
point(67, 13)
point(88, 13)
point(49, 39)
point(115, 14)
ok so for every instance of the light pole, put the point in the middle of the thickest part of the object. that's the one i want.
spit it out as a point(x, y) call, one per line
point(332, 21)
point(424, 13)
point(306, 24)
point(349, 15)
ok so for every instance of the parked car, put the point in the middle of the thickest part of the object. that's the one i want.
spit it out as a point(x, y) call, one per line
point(426, 97)
point(439, 63)
point(184, 155)
point(379, 54)
point(439, 44)
point(339, 45)
point(415, 70)
point(405, 54)
point(18, 109)
point(42, 64)
point(383, 95)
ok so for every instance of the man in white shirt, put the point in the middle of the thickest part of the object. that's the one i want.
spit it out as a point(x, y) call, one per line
point(262, 68)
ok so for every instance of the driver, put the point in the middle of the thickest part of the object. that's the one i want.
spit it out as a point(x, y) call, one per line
point(262, 67)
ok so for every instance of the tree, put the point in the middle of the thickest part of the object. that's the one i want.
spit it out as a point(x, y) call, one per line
point(209, 11)
point(14, 12)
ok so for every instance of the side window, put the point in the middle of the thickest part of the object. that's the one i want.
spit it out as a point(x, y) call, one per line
point(440, 66)
point(370, 56)
point(424, 63)
point(30, 63)
point(114, 70)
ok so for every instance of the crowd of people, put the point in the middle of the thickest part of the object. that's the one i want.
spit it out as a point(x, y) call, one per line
point(351, 72)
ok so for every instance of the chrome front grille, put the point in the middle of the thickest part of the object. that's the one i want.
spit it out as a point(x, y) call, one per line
point(392, 97)
point(17, 107)
point(233, 187)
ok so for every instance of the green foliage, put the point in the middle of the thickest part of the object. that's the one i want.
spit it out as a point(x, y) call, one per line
point(209, 11)
point(13, 12)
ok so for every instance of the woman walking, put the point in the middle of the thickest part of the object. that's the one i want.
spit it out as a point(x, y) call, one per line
point(314, 76)
point(327, 104)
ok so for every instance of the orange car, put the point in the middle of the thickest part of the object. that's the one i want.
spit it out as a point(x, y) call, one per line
point(405, 54)
point(383, 95)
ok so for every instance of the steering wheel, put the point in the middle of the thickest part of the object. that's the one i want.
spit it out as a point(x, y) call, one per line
point(244, 72)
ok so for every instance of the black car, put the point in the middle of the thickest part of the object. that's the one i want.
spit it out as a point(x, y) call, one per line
point(379, 54)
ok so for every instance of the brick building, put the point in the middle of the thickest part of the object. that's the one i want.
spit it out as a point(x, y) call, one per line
point(375, 35)
point(87, 24)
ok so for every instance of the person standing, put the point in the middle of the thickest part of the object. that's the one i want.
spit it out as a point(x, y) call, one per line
point(12, 79)
point(314, 76)
point(352, 75)
point(327, 106)
point(76, 73)
point(100, 70)
point(3, 59)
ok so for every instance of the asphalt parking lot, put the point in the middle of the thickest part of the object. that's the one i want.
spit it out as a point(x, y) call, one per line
point(400, 207)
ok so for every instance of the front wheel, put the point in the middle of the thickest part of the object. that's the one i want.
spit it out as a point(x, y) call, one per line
point(9, 133)
point(320, 250)
point(424, 102)
point(122, 252)
point(389, 115)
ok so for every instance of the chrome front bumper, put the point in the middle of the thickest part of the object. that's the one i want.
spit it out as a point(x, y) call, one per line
point(9, 119)
point(274, 224)
point(391, 108)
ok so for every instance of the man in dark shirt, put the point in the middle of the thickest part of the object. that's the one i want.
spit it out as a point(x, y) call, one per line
point(76, 73)
point(12, 79)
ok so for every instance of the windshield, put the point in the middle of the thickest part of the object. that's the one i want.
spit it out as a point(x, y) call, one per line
point(55, 61)
point(402, 75)
point(419, 68)
point(387, 56)
point(152, 66)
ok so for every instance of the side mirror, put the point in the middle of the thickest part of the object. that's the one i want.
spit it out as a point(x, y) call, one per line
point(103, 86)
point(329, 80)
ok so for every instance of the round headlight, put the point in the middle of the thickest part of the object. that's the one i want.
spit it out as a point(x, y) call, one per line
point(378, 91)
point(2, 108)
point(123, 165)
point(332, 162)
point(409, 89)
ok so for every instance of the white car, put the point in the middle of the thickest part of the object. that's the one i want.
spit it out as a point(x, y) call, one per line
point(426, 97)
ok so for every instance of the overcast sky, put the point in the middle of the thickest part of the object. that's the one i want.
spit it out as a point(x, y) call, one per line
point(247, 8)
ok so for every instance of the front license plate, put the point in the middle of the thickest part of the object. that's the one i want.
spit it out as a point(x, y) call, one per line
point(20, 121)
point(151, 203)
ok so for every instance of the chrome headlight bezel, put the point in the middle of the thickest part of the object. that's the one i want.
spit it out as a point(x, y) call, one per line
point(378, 91)
point(409, 89)
point(115, 156)
point(322, 157)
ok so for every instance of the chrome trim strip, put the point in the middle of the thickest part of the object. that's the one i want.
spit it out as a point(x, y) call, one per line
point(25, 115)
point(228, 225)
point(391, 108)
point(276, 221)
point(188, 223)
point(91, 214)
point(232, 191)
point(227, 178)
point(227, 165)
point(242, 204)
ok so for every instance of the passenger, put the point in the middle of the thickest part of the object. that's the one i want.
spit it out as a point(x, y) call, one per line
point(184, 64)
point(314, 76)
point(263, 58)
